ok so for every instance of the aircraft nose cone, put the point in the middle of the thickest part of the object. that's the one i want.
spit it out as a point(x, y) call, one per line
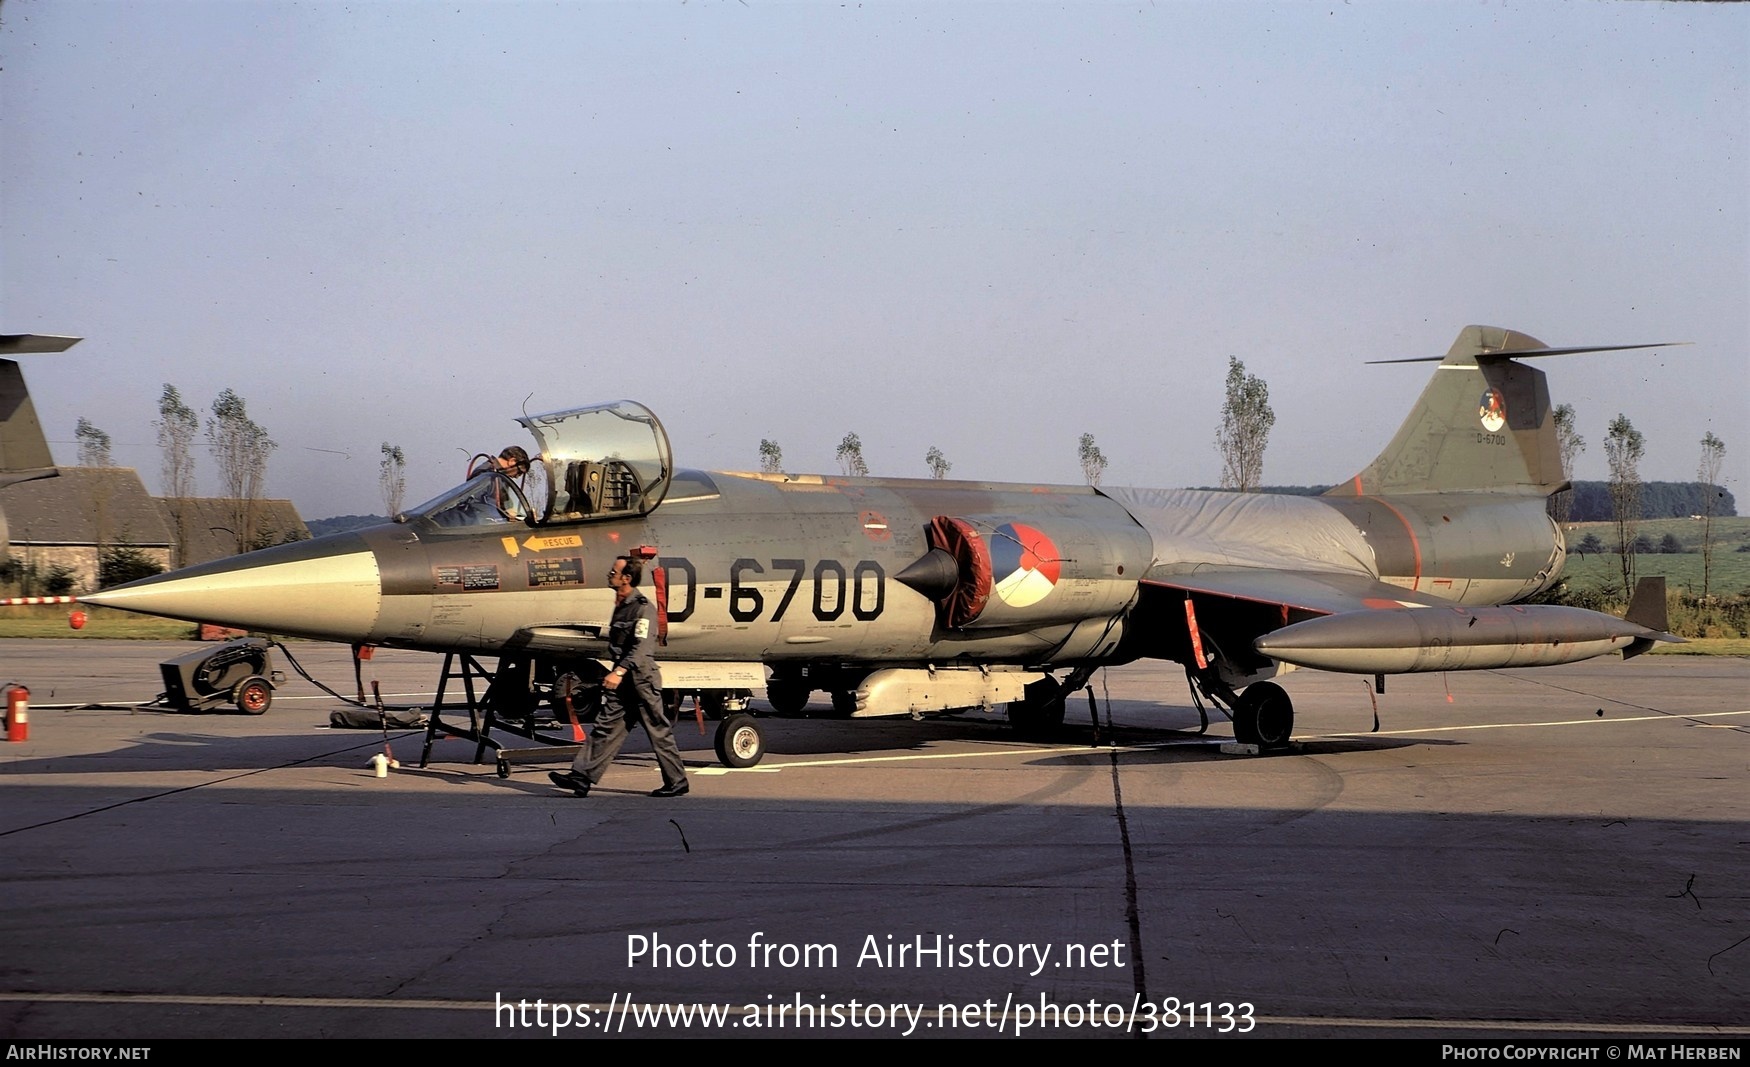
point(329, 588)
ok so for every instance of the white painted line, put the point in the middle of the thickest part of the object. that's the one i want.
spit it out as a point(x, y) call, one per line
point(713, 772)
point(1056, 750)
point(1677, 716)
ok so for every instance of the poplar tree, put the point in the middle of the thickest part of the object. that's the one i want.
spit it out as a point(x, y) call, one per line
point(771, 457)
point(1246, 420)
point(1713, 457)
point(1570, 444)
point(240, 447)
point(392, 478)
point(177, 425)
point(939, 465)
point(850, 454)
point(1092, 459)
point(1623, 448)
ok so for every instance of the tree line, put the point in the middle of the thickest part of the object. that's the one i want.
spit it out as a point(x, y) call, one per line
point(1659, 500)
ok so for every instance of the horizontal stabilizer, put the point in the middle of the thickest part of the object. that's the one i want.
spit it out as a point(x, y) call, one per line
point(12, 344)
point(1485, 354)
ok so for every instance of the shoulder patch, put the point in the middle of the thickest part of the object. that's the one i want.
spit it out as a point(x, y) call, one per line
point(642, 629)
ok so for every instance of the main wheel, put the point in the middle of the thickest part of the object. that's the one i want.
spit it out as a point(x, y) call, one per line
point(739, 743)
point(253, 695)
point(1264, 716)
point(787, 698)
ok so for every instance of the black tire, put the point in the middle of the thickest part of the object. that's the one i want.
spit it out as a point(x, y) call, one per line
point(787, 698)
point(1264, 716)
point(253, 695)
point(739, 742)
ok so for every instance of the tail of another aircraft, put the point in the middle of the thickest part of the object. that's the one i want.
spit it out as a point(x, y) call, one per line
point(1483, 423)
point(24, 452)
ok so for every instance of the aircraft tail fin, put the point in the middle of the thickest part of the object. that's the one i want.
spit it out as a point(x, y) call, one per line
point(24, 452)
point(1483, 423)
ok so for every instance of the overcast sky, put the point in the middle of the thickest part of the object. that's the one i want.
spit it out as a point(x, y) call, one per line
point(985, 227)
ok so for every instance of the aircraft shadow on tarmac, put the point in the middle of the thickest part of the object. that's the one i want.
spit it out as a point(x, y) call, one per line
point(218, 753)
point(1176, 739)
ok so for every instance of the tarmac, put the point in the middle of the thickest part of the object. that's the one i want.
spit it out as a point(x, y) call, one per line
point(1558, 853)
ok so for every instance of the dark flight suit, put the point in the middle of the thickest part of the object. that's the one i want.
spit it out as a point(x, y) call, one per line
point(632, 641)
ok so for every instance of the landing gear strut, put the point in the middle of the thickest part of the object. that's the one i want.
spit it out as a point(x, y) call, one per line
point(1038, 715)
point(1263, 715)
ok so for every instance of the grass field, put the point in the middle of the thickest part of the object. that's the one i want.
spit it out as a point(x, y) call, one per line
point(1706, 646)
point(101, 623)
point(1682, 571)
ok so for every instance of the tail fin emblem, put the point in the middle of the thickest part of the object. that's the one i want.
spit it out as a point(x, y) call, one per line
point(1492, 409)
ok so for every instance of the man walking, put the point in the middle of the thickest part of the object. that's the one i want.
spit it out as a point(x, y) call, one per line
point(632, 687)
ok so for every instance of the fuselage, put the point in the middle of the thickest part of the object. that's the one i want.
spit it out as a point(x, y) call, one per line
point(806, 570)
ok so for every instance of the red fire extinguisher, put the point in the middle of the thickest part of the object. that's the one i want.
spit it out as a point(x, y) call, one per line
point(17, 713)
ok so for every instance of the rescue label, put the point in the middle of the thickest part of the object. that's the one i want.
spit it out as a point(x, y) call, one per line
point(544, 544)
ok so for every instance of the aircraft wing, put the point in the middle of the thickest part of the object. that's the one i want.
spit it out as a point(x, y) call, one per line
point(1305, 593)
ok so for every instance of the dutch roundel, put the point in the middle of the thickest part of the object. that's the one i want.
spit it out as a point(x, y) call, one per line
point(1024, 564)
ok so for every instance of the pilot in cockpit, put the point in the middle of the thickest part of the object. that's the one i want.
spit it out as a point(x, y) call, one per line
point(514, 462)
point(531, 478)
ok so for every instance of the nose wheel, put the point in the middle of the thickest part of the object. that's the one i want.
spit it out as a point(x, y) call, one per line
point(739, 743)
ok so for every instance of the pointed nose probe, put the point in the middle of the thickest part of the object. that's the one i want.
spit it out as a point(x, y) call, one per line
point(330, 588)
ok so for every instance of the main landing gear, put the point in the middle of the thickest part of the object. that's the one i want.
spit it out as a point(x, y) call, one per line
point(1262, 714)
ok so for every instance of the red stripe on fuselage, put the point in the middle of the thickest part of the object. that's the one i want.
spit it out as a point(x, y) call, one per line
point(1415, 545)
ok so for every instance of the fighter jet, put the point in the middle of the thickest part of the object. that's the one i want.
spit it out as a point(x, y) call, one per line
point(900, 596)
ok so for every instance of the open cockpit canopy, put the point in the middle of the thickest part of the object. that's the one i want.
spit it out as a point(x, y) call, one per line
point(609, 461)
